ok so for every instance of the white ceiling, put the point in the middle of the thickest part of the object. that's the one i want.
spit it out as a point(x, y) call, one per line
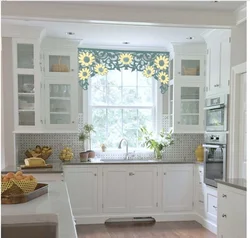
point(175, 5)
point(114, 35)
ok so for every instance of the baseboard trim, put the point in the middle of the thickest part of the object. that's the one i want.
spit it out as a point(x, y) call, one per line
point(207, 224)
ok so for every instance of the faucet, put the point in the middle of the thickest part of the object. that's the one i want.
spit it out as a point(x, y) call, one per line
point(120, 146)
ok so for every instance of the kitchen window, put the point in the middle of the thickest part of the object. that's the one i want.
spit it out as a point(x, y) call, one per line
point(119, 103)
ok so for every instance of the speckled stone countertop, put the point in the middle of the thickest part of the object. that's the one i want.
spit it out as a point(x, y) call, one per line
point(57, 168)
point(234, 182)
point(108, 162)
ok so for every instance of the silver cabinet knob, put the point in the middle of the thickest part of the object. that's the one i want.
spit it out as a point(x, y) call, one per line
point(95, 174)
point(224, 215)
point(165, 173)
point(73, 122)
point(201, 201)
point(224, 195)
point(131, 174)
point(214, 207)
point(72, 70)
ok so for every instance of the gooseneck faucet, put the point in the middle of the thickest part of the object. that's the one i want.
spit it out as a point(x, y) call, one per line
point(120, 146)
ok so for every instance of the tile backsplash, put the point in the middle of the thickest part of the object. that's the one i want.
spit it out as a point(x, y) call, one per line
point(182, 149)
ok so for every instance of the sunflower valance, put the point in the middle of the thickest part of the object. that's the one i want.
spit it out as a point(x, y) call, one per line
point(99, 61)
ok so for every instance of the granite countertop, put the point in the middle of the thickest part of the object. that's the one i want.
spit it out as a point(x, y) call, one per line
point(108, 162)
point(55, 202)
point(57, 168)
point(234, 182)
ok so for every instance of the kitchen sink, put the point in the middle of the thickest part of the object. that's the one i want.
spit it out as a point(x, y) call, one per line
point(30, 226)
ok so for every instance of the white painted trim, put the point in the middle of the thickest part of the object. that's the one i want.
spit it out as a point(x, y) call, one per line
point(233, 152)
point(241, 14)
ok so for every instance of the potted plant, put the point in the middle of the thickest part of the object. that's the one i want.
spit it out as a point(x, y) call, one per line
point(85, 135)
point(156, 142)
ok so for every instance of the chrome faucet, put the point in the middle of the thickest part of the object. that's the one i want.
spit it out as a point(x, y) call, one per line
point(120, 146)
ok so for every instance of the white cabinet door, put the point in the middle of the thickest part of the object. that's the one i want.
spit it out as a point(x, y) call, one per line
point(143, 188)
point(83, 189)
point(178, 187)
point(211, 204)
point(115, 189)
point(188, 107)
point(60, 64)
point(189, 67)
point(61, 107)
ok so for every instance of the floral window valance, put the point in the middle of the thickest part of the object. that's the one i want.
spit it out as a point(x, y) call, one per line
point(99, 61)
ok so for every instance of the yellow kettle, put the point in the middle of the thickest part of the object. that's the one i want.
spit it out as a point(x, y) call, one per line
point(199, 153)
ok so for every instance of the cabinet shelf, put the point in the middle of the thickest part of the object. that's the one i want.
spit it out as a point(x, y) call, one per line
point(26, 110)
point(61, 98)
point(26, 94)
point(60, 113)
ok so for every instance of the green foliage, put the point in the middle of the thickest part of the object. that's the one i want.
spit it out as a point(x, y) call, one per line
point(154, 142)
point(86, 132)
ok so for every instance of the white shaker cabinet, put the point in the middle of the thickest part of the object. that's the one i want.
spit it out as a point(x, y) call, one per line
point(143, 188)
point(115, 189)
point(82, 184)
point(231, 212)
point(178, 187)
point(218, 62)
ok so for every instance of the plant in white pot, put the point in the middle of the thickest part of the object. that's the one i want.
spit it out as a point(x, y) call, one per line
point(84, 136)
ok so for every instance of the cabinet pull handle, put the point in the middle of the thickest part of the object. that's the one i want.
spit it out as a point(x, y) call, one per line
point(224, 195)
point(200, 171)
point(201, 201)
point(95, 174)
point(73, 122)
point(131, 174)
point(165, 173)
point(72, 70)
point(224, 215)
point(42, 121)
point(200, 183)
point(214, 207)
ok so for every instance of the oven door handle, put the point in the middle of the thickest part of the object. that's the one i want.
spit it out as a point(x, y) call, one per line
point(212, 146)
point(214, 107)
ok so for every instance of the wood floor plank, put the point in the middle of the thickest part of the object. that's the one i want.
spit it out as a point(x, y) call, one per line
point(180, 229)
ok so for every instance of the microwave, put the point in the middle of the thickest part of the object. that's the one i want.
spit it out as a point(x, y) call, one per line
point(216, 113)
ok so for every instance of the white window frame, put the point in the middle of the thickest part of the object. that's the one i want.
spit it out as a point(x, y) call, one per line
point(157, 110)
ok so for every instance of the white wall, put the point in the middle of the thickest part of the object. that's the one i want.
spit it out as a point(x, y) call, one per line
point(7, 103)
point(238, 44)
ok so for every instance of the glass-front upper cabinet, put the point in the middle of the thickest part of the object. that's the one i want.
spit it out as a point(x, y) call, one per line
point(189, 105)
point(190, 67)
point(61, 104)
point(26, 83)
point(63, 64)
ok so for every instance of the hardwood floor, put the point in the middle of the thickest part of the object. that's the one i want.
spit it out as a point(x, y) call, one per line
point(180, 229)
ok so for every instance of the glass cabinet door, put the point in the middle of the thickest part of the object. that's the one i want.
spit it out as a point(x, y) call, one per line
point(25, 56)
point(171, 106)
point(26, 100)
point(60, 103)
point(190, 104)
point(62, 63)
point(190, 67)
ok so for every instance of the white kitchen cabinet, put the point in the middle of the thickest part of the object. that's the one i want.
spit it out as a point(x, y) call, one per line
point(82, 184)
point(143, 188)
point(60, 64)
point(231, 212)
point(60, 107)
point(186, 106)
point(115, 189)
point(26, 76)
point(178, 188)
point(218, 62)
point(189, 67)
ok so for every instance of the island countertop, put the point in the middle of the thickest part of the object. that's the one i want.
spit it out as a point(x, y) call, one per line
point(234, 182)
point(56, 201)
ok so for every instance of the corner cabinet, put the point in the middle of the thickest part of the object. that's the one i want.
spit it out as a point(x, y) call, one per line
point(26, 76)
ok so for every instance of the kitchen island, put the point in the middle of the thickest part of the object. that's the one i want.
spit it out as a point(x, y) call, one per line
point(56, 201)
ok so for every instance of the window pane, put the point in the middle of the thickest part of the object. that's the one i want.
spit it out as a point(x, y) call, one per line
point(98, 90)
point(129, 78)
point(129, 96)
point(145, 118)
point(114, 78)
point(114, 96)
point(143, 81)
point(130, 119)
point(145, 96)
